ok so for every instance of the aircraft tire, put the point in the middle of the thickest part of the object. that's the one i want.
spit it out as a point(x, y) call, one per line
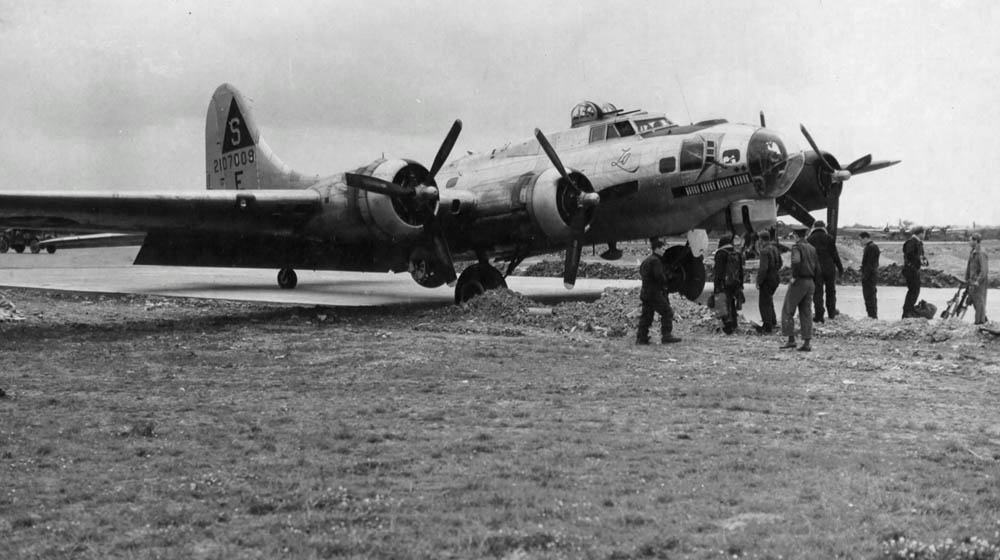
point(287, 279)
point(18, 248)
point(34, 246)
point(50, 249)
point(475, 280)
point(4, 245)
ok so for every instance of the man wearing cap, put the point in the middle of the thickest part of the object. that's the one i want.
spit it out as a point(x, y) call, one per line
point(830, 266)
point(767, 281)
point(805, 267)
point(869, 274)
point(977, 277)
point(653, 296)
point(913, 259)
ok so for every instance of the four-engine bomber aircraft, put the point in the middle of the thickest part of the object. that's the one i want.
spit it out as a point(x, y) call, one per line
point(613, 176)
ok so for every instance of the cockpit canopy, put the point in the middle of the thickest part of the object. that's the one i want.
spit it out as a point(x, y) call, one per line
point(626, 122)
point(588, 111)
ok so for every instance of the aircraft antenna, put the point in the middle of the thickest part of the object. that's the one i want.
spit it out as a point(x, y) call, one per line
point(683, 97)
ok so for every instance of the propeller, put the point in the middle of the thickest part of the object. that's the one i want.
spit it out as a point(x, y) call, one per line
point(831, 181)
point(424, 194)
point(578, 222)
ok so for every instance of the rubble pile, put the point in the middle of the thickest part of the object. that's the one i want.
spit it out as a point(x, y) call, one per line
point(891, 275)
point(554, 269)
point(936, 330)
point(616, 313)
point(7, 310)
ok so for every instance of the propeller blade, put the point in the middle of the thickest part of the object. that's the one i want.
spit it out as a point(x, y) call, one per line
point(578, 227)
point(812, 144)
point(445, 150)
point(860, 163)
point(376, 185)
point(572, 265)
point(762, 120)
point(553, 157)
point(833, 213)
point(796, 210)
point(875, 166)
point(442, 252)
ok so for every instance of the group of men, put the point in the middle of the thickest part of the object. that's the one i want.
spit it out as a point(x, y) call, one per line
point(815, 266)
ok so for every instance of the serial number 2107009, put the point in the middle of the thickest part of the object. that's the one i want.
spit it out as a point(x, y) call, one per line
point(232, 161)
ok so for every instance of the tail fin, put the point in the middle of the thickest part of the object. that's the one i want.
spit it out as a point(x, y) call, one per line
point(236, 157)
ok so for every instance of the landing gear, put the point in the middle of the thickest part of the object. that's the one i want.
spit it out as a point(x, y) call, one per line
point(475, 280)
point(287, 278)
point(686, 272)
point(34, 246)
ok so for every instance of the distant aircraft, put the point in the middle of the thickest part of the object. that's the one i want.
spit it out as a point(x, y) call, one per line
point(613, 176)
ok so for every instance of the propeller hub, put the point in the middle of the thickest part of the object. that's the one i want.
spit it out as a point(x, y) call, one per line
point(426, 193)
point(588, 199)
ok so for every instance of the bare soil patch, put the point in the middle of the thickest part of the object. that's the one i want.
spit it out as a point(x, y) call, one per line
point(144, 427)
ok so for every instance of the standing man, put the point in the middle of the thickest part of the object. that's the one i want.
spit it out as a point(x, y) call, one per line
point(727, 280)
point(830, 266)
point(913, 259)
point(869, 274)
point(977, 277)
point(654, 296)
point(805, 267)
point(767, 282)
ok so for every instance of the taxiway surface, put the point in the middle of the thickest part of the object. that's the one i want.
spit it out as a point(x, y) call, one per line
point(110, 270)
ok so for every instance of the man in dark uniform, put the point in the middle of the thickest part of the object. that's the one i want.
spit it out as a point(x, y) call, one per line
point(830, 266)
point(869, 274)
point(913, 259)
point(805, 267)
point(728, 280)
point(767, 281)
point(653, 295)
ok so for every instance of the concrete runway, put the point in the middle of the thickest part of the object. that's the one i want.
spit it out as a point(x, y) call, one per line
point(109, 270)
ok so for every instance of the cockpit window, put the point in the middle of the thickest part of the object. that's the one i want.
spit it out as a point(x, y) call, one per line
point(624, 128)
point(597, 133)
point(649, 125)
point(691, 155)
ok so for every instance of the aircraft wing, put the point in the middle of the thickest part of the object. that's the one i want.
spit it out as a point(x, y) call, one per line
point(94, 240)
point(227, 211)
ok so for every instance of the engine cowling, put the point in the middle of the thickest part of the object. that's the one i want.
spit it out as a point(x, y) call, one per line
point(551, 202)
point(393, 220)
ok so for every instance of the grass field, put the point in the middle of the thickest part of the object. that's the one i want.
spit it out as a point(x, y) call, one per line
point(161, 428)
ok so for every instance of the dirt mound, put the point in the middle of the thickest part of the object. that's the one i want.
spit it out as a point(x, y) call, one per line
point(554, 269)
point(616, 313)
point(890, 275)
point(7, 310)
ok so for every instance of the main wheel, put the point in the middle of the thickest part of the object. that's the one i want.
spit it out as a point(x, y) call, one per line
point(34, 246)
point(4, 245)
point(287, 278)
point(475, 280)
point(51, 249)
point(18, 247)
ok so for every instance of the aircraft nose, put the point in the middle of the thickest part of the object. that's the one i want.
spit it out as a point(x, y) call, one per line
point(775, 162)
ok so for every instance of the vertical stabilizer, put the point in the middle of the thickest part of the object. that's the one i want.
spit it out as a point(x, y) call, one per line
point(236, 157)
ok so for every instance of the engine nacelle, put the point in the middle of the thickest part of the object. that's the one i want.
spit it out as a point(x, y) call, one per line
point(551, 202)
point(391, 219)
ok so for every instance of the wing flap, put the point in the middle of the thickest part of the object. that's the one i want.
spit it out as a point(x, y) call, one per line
point(261, 211)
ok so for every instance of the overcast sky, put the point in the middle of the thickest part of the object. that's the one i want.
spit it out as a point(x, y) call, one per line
point(113, 94)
